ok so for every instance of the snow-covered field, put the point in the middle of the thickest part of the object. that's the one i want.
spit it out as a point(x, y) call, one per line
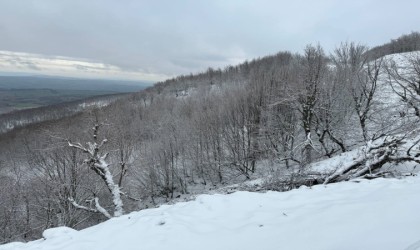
point(361, 214)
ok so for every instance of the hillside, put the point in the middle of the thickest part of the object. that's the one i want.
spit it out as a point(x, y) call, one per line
point(55, 109)
point(284, 118)
point(361, 214)
point(19, 99)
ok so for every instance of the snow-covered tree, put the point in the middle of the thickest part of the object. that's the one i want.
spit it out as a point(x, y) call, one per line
point(96, 160)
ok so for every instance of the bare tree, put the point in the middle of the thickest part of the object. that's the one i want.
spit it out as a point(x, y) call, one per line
point(364, 92)
point(59, 177)
point(97, 161)
point(311, 73)
point(404, 79)
point(332, 111)
point(361, 79)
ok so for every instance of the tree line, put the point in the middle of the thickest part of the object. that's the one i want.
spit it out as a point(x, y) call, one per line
point(405, 43)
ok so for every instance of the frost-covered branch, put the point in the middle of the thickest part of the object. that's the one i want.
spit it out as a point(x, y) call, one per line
point(98, 208)
point(98, 163)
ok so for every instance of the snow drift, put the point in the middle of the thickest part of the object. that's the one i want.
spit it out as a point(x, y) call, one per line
point(360, 214)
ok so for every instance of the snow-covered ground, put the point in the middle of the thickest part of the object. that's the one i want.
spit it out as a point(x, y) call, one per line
point(361, 214)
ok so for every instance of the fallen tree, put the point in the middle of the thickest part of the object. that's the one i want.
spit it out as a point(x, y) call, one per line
point(375, 154)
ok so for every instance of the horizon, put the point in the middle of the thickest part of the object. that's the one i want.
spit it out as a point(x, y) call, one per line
point(133, 82)
point(131, 77)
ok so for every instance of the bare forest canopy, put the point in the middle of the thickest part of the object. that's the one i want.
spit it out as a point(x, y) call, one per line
point(272, 117)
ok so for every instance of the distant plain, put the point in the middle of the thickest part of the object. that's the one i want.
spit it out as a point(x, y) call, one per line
point(25, 92)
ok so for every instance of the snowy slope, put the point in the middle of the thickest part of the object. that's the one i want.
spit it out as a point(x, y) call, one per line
point(377, 214)
point(390, 103)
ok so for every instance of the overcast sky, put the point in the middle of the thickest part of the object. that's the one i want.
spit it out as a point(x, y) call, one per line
point(157, 39)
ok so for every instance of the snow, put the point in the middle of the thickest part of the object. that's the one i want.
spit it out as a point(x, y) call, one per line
point(57, 232)
point(335, 163)
point(361, 214)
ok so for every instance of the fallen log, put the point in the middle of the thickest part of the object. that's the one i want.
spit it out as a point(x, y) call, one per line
point(372, 157)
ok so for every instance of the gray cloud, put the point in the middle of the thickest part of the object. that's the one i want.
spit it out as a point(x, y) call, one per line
point(167, 38)
point(65, 66)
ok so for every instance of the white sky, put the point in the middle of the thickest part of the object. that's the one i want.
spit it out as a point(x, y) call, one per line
point(153, 40)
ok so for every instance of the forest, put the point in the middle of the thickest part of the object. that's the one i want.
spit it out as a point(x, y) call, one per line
point(271, 117)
